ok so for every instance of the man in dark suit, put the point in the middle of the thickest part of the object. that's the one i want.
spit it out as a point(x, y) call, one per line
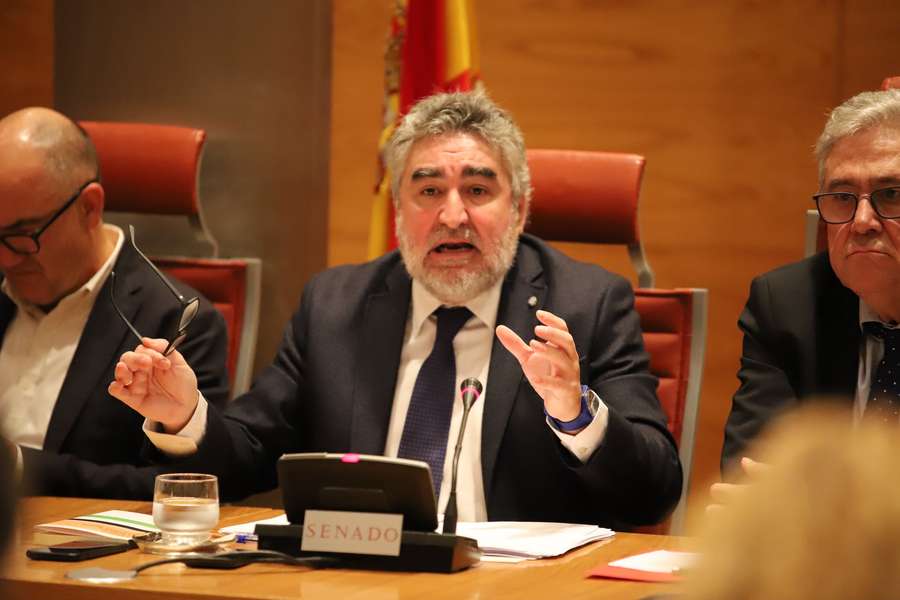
point(568, 428)
point(818, 328)
point(60, 336)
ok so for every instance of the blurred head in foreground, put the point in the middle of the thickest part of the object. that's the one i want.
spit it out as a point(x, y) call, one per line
point(822, 523)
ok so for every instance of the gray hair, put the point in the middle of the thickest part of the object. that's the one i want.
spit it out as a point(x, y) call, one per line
point(462, 112)
point(862, 111)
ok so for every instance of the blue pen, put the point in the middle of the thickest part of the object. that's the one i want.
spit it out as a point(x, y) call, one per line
point(243, 538)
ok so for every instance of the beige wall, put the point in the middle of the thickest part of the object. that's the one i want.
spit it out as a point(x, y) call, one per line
point(724, 98)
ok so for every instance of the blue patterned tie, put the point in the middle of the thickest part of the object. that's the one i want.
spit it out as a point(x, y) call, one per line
point(428, 418)
point(884, 397)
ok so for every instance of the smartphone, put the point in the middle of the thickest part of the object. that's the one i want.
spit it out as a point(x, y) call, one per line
point(78, 550)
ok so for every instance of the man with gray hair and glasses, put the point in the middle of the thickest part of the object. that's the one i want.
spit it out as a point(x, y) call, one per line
point(568, 427)
point(60, 335)
point(826, 327)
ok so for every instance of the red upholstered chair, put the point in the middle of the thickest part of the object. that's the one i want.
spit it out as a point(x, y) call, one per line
point(589, 197)
point(891, 82)
point(592, 197)
point(153, 169)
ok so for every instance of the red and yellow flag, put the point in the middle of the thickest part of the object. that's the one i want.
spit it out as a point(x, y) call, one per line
point(432, 48)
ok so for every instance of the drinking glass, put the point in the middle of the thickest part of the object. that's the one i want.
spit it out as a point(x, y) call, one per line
point(185, 508)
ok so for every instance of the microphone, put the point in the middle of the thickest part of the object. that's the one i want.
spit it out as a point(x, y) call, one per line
point(470, 389)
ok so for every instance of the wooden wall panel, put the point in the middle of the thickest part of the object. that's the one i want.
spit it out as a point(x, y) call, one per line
point(360, 33)
point(26, 54)
point(870, 45)
point(724, 98)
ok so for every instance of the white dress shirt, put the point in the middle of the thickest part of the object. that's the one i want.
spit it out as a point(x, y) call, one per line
point(472, 351)
point(37, 350)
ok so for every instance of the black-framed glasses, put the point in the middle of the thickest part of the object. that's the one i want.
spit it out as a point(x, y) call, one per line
point(188, 306)
point(30, 243)
point(840, 207)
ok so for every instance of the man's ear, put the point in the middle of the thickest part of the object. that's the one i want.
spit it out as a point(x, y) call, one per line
point(522, 210)
point(93, 200)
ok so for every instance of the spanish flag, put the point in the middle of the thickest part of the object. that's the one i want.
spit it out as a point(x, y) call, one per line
point(431, 48)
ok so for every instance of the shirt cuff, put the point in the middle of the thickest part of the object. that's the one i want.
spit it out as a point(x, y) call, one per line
point(184, 442)
point(585, 442)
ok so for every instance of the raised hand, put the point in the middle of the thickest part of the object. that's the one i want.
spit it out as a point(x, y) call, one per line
point(550, 364)
point(161, 388)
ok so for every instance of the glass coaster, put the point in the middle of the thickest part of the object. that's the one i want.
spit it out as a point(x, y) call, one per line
point(152, 543)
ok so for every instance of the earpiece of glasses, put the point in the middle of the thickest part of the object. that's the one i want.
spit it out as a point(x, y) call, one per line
point(189, 306)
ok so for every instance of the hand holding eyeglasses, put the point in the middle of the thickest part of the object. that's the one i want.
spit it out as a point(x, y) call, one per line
point(161, 388)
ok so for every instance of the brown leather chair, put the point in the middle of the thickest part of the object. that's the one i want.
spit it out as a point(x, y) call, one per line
point(592, 197)
point(154, 169)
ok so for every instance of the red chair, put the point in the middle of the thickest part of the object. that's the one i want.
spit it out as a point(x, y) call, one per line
point(592, 197)
point(589, 197)
point(891, 82)
point(154, 169)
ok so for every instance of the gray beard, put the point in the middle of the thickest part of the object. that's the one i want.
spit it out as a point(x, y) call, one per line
point(456, 287)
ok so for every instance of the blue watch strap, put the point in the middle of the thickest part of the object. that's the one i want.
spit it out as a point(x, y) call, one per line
point(583, 419)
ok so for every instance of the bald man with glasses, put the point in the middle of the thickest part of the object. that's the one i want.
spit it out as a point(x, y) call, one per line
point(827, 327)
point(60, 334)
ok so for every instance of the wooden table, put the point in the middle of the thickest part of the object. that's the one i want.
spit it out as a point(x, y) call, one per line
point(552, 578)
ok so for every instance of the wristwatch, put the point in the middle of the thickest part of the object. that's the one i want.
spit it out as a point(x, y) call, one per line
point(590, 403)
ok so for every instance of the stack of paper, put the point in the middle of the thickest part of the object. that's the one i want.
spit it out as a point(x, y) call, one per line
point(512, 541)
point(113, 524)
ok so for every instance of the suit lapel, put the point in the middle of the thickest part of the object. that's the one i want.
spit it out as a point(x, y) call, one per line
point(381, 335)
point(100, 345)
point(524, 281)
point(838, 340)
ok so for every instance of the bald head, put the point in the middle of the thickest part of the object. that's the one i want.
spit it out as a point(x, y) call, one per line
point(64, 152)
point(48, 192)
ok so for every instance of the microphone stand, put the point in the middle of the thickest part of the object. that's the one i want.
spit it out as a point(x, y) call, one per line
point(450, 515)
point(471, 390)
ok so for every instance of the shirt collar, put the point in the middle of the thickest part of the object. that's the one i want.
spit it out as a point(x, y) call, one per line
point(484, 306)
point(90, 288)
point(867, 315)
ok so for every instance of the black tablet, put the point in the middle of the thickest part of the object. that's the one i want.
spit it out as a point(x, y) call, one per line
point(358, 482)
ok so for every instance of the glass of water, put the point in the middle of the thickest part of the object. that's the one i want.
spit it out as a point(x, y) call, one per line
point(185, 508)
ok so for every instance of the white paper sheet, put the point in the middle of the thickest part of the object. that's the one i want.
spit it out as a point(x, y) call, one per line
point(658, 561)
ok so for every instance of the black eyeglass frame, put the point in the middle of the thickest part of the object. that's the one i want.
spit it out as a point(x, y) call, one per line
point(872, 196)
point(189, 307)
point(35, 236)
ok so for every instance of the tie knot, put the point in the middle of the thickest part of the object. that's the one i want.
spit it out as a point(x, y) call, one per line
point(451, 320)
point(888, 335)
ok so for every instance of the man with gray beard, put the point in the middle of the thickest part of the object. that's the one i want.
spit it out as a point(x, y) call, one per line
point(568, 427)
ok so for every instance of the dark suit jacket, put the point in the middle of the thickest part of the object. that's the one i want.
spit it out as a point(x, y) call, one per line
point(332, 384)
point(801, 341)
point(94, 442)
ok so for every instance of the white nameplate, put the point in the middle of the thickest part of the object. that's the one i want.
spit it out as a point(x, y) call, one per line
point(352, 532)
